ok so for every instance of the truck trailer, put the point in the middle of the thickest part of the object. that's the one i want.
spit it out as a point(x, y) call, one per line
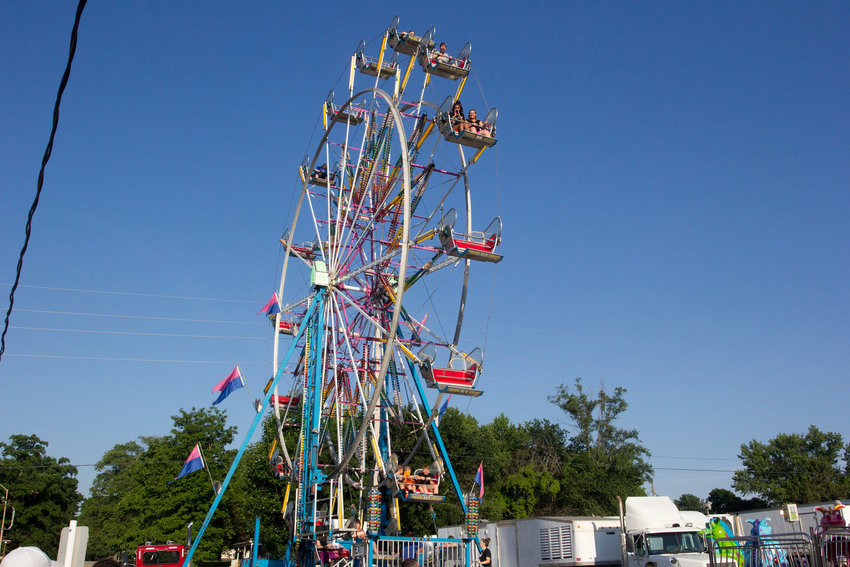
point(655, 535)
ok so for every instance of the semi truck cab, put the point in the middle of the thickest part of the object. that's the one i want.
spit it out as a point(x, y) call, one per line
point(657, 535)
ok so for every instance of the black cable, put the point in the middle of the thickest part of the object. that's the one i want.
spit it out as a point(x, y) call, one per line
point(47, 151)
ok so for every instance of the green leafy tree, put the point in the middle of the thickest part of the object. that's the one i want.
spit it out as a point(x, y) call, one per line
point(604, 461)
point(691, 502)
point(725, 501)
point(133, 499)
point(793, 468)
point(42, 489)
point(537, 451)
point(526, 488)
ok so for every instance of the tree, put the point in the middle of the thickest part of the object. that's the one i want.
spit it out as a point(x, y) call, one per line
point(604, 461)
point(727, 502)
point(42, 489)
point(691, 502)
point(793, 468)
point(133, 499)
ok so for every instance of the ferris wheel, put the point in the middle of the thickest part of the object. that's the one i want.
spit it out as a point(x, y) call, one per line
point(374, 288)
point(370, 307)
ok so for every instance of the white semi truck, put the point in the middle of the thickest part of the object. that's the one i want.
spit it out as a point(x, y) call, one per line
point(654, 536)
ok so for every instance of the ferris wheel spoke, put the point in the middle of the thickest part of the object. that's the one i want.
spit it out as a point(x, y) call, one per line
point(349, 349)
point(350, 301)
point(318, 233)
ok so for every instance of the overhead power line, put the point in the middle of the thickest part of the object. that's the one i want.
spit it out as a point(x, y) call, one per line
point(143, 317)
point(47, 151)
point(118, 359)
point(137, 294)
point(138, 333)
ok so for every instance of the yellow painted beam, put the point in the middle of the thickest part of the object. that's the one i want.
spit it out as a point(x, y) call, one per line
point(460, 88)
point(407, 74)
point(285, 499)
point(477, 155)
point(381, 55)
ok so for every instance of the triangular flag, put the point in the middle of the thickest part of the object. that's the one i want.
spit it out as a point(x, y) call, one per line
point(232, 382)
point(194, 463)
point(272, 307)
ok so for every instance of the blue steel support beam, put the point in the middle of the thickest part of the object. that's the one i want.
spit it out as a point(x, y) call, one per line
point(256, 541)
point(253, 427)
point(310, 473)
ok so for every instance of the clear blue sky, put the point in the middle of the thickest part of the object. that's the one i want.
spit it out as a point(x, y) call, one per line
point(672, 178)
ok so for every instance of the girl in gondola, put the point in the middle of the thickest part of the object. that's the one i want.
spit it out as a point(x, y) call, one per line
point(457, 119)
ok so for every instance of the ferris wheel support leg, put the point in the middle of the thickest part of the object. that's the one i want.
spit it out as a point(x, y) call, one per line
point(257, 419)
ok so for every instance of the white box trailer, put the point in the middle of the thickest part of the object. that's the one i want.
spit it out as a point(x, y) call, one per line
point(551, 541)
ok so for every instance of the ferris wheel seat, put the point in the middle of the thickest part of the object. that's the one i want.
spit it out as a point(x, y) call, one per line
point(352, 115)
point(449, 69)
point(470, 139)
point(371, 68)
point(471, 247)
point(306, 251)
point(406, 43)
point(450, 380)
point(416, 497)
point(288, 327)
point(319, 176)
point(286, 401)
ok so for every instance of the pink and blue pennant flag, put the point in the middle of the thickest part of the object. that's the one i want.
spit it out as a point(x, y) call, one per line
point(194, 463)
point(479, 478)
point(232, 382)
point(270, 308)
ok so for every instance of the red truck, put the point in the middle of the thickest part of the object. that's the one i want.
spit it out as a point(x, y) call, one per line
point(168, 555)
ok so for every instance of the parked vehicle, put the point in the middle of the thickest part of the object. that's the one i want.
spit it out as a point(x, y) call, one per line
point(658, 535)
point(168, 555)
point(655, 535)
point(551, 541)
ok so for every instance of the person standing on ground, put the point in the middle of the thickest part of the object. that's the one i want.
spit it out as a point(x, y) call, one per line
point(484, 559)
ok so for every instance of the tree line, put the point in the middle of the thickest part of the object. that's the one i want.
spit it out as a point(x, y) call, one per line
point(530, 469)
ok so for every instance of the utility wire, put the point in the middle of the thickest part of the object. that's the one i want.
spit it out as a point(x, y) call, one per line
point(143, 317)
point(138, 333)
point(47, 151)
point(138, 294)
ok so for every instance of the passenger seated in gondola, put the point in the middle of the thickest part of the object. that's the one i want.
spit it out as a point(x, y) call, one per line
point(329, 552)
point(408, 481)
point(320, 174)
point(476, 126)
point(405, 35)
point(441, 56)
point(429, 481)
point(457, 119)
point(281, 471)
